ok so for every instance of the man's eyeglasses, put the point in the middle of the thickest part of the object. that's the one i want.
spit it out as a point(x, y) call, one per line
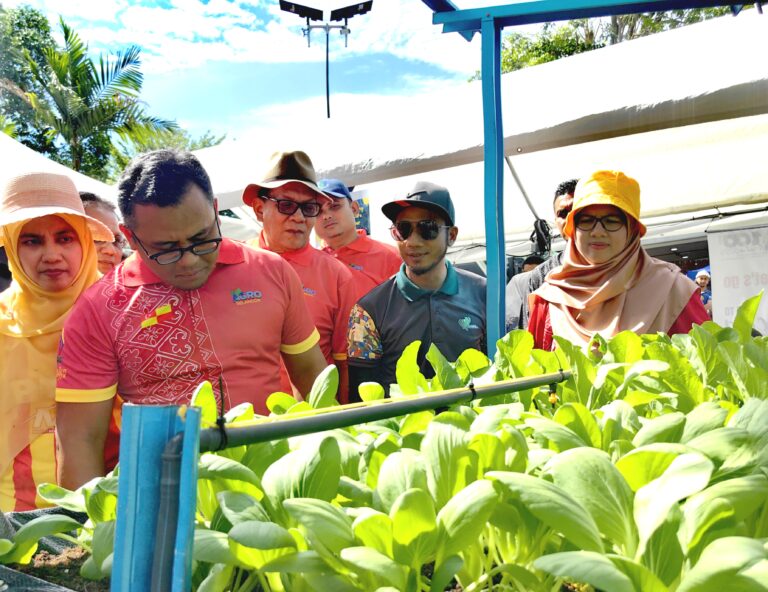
point(563, 213)
point(203, 247)
point(610, 223)
point(288, 207)
point(119, 243)
point(427, 229)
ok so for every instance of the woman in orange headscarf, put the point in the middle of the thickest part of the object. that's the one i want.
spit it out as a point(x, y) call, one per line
point(49, 243)
point(607, 283)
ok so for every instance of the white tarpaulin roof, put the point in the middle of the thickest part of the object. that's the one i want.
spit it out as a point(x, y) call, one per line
point(609, 108)
point(17, 159)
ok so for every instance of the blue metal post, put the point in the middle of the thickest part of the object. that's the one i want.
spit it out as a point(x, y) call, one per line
point(145, 433)
point(494, 181)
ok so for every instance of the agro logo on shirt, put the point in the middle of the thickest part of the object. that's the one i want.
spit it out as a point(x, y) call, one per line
point(309, 291)
point(240, 297)
point(357, 267)
point(466, 323)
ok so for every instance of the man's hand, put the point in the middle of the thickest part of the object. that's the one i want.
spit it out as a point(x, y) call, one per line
point(81, 429)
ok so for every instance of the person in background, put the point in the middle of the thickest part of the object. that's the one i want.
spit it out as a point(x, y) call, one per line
point(703, 281)
point(531, 262)
point(5, 272)
point(187, 306)
point(428, 300)
point(110, 252)
point(370, 261)
point(287, 201)
point(607, 283)
point(48, 239)
point(523, 284)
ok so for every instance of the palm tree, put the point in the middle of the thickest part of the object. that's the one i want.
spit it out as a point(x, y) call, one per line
point(87, 101)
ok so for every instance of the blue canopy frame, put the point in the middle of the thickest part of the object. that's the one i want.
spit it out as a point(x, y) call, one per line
point(489, 22)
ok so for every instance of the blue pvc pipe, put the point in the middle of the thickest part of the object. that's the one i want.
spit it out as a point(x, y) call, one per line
point(145, 433)
point(494, 183)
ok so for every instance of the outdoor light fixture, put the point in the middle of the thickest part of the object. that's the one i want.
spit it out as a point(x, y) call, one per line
point(349, 11)
point(315, 14)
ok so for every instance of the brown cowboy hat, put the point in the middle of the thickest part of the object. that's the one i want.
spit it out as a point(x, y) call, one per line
point(283, 168)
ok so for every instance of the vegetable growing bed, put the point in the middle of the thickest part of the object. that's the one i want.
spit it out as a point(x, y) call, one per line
point(646, 471)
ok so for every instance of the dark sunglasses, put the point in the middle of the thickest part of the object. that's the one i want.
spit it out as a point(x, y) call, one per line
point(427, 229)
point(610, 223)
point(563, 213)
point(288, 207)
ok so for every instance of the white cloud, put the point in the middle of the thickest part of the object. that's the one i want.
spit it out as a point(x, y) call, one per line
point(191, 33)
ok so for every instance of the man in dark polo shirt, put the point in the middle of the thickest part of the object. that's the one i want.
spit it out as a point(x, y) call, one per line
point(523, 284)
point(427, 300)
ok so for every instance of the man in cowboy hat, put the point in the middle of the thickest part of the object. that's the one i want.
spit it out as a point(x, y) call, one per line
point(428, 300)
point(187, 306)
point(287, 201)
point(371, 261)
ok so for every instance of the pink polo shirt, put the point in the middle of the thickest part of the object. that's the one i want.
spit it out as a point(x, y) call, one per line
point(329, 292)
point(153, 343)
point(371, 261)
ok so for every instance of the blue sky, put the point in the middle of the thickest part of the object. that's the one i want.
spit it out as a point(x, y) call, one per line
point(234, 66)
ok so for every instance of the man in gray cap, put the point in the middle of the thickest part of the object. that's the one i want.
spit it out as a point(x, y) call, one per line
point(427, 300)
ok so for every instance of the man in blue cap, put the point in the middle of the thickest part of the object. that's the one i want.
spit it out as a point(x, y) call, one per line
point(428, 300)
point(370, 261)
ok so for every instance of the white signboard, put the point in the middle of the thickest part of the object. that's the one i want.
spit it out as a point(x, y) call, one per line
point(739, 262)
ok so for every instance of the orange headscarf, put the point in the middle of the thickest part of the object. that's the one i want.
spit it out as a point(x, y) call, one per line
point(633, 291)
point(31, 320)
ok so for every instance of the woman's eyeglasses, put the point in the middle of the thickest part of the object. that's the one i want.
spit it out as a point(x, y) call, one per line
point(288, 207)
point(610, 223)
point(427, 229)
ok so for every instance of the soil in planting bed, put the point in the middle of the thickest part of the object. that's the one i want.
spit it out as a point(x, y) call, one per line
point(63, 569)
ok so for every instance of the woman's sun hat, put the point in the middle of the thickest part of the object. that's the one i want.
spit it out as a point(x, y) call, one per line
point(34, 195)
point(612, 188)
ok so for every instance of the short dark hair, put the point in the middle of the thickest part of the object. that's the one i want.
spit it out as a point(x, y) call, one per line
point(160, 178)
point(533, 259)
point(91, 199)
point(565, 188)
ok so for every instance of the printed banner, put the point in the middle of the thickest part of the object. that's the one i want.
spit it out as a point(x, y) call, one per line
point(739, 261)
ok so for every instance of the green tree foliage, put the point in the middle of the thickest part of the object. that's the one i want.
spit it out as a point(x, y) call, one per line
point(576, 36)
point(85, 102)
point(178, 139)
point(23, 28)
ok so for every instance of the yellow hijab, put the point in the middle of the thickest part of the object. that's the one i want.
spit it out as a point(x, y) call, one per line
point(31, 320)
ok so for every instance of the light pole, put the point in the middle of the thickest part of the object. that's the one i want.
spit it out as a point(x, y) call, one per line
point(314, 14)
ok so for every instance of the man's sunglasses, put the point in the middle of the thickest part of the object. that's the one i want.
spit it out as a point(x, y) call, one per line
point(427, 229)
point(288, 207)
point(611, 223)
point(563, 213)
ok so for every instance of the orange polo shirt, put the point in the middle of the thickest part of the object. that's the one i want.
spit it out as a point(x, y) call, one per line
point(329, 292)
point(132, 334)
point(372, 262)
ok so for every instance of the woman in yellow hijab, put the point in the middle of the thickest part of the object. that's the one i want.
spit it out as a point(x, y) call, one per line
point(49, 243)
point(607, 282)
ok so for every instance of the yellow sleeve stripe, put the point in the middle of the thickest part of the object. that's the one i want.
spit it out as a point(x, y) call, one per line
point(85, 396)
point(339, 357)
point(300, 348)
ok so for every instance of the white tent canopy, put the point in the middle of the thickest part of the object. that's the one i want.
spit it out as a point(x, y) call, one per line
point(680, 110)
point(18, 159)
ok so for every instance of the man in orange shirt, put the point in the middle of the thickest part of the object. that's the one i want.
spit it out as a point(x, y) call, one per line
point(187, 306)
point(371, 261)
point(286, 201)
